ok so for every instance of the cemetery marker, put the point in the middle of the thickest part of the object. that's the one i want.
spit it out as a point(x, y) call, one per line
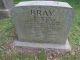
point(43, 24)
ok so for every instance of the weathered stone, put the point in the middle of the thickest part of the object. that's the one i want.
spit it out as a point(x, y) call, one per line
point(8, 4)
point(5, 6)
point(43, 24)
point(1, 5)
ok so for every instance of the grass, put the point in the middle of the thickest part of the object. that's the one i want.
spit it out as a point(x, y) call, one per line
point(6, 34)
point(5, 26)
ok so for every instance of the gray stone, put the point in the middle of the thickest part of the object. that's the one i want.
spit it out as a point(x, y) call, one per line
point(8, 4)
point(4, 13)
point(5, 6)
point(65, 47)
point(43, 23)
point(2, 4)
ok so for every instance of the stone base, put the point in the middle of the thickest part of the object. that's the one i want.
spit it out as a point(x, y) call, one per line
point(4, 13)
point(65, 47)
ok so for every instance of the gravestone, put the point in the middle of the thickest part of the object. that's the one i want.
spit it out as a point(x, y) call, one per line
point(42, 24)
point(3, 12)
point(8, 4)
point(1, 5)
point(5, 6)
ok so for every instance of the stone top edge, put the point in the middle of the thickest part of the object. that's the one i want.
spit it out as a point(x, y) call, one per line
point(43, 3)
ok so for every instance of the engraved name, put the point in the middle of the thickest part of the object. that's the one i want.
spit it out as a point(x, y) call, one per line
point(38, 12)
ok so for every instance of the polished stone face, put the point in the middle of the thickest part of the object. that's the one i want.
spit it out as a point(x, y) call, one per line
point(42, 24)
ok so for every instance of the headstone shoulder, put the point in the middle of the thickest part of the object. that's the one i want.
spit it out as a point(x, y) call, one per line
point(44, 3)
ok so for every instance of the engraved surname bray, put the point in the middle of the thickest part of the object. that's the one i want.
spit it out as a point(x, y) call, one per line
point(38, 12)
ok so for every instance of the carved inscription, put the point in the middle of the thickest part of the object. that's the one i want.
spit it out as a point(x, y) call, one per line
point(42, 24)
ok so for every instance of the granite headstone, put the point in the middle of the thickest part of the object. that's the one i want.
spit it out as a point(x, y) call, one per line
point(44, 24)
